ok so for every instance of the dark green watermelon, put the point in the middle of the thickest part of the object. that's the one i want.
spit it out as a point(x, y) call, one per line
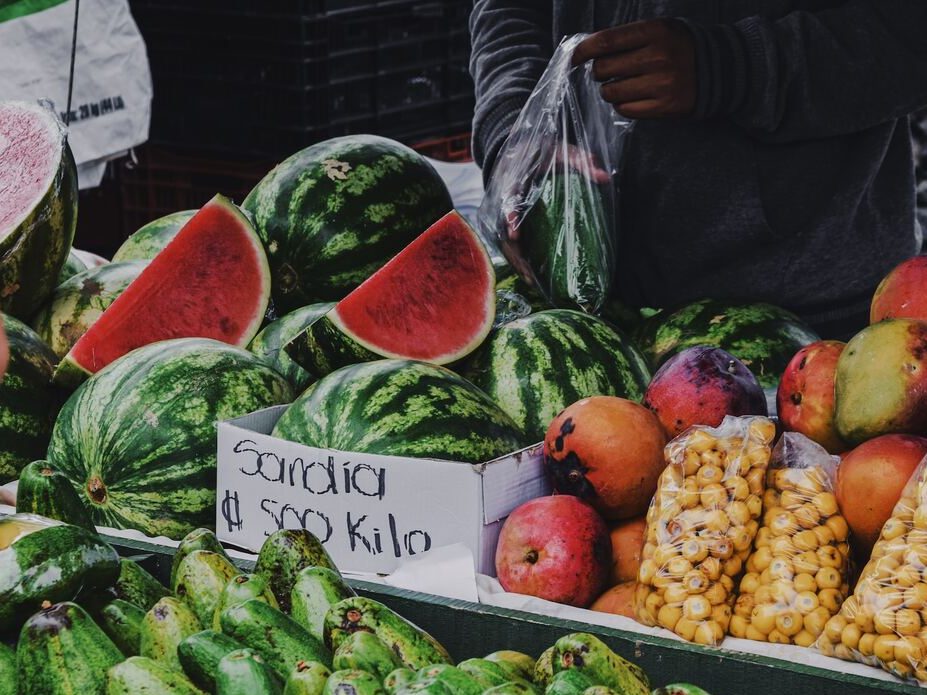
point(79, 301)
point(335, 212)
point(149, 240)
point(72, 266)
point(762, 336)
point(28, 403)
point(537, 365)
point(268, 344)
point(38, 206)
point(138, 438)
point(400, 408)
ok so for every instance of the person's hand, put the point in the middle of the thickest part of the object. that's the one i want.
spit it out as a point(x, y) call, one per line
point(648, 68)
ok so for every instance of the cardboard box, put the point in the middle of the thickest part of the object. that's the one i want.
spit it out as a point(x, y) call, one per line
point(370, 511)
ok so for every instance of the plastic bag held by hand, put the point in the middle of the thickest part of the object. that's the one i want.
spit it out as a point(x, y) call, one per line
point(552, 198)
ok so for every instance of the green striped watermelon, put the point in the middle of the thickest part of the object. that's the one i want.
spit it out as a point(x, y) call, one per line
point(78, 302)
point(149, 240)
point(268, 344)
point(536, 366)
point(28, 403)
point(401, 408)
point(138, 438)
point(72, 266)
point(335, 212)
point(38, 208)
point(762, 336)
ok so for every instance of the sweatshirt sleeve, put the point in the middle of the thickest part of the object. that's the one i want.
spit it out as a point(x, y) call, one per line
point(512, 44)
point(812, 75)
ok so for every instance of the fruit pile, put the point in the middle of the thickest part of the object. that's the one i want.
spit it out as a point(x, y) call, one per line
point(291, 627)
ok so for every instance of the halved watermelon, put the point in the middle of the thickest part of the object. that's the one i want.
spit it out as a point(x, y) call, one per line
point(433, 302)
point(38, 205)
point(211, 281)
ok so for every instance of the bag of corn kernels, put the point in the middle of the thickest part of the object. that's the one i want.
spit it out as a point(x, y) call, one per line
point(796, 577)
point(701, 525)
point(884, 622)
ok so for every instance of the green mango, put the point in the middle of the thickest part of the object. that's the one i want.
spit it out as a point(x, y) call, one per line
point(122, 621)
point(680, 689)
point(599, 690)
point(592, 657)
point(283, 555)
point(7, 670)
point(136, 585)
point(164, 627)
point(458, 682)
point(571, 682)
point(201, 578)
point(364, 651)
point(240, 589)
point(488, 673)
point(197, 539)
point(544, 668)
point(316, 590)
point(352, 682)
point(200, 654)
point(518, 664)
point(425, 686)
point(415, 647)
point(61, 651)
point(280, 640)
point(139, 674)
point(243, 672)
point(398, 679)
point(307, 678)
point(520, 687)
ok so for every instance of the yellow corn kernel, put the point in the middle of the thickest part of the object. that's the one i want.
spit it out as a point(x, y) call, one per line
point(755, 505)
point(783, 523)
point(720, 548)
point(865, 618)
point(741, 538)
point(764, 593)
point(647, 571)
point(866, 645)
point(884, 647)
point(668, 616)
point(691, 462)
point(675, 593)
point(762, 559)
point(763, 618)
point(711, 568)
point(732, 566)
point(910, 650)
point(714, 459)
point(829, 556)
point(834, 628)
point(841, 652)
point(762, 430)
point(806, 602)
point(831, 600)
point(805, 582)
point(906, 577)
point(784, 479)
point(727, 582)
point(695, 582)
point(738, 626)
point(782, 593)
point(826, 648)
point(763, 537)
point(807, 562)
point(701, 441)
point(825, 535)
point(750, 583)
point(828, 578)
point(686, 628)
point(805, 540)
point(678, 567)
point(713, 496)
point(777, 637)
point(665, 553)
point(782, 545)
point(653, 603)
point(850, 636)
point(663, 579)
point(737, 488)
point(722, 614)
point(907, 622)
point(756, 483)
point(838, 525)
point(825, 503)
point(771, 499)
point(791, 500)
point(689, 495)
point(807, 516)
point(789, 622)
point(804, 639)
point(781, 568)
point(916, 596)
point(754, 634)
point(816, 620)
point(694, 550)
point(709, 474)
point(744, 605)
point(709, 633)
point(884, 622)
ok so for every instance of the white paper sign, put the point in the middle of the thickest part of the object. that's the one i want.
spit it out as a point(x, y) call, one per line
point(111, 103)
point(371, 512)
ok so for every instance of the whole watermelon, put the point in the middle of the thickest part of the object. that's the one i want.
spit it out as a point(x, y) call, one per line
point(536, 366)
point(73, 265)
point(78, 302)
point(334, 213)
point(28, 403)
point(148, 241)
point(138, 438)
point(762, 336)
point(402, 408)
point(268, 344)
point(38, 208)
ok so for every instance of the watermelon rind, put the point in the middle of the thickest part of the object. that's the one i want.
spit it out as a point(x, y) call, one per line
point(334, 213)
point(762, 336)
point(150, 239)
point(400, 408)
point(268, 344)
point(138, 439)
point(73, 265)
point(70, 372)
point(79, 301)
point(536, 366)
point(28, 403)
point(34, 248)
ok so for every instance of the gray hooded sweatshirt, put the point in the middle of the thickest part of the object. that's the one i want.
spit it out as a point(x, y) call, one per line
point(792, 183)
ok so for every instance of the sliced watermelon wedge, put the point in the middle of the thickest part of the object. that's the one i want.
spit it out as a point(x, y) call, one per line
point(433, 302)
point(211, 281)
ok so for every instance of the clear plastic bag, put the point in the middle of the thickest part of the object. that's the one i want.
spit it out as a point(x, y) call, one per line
point(551, 201)
point(701, 525)
point(796, 577)
point(884, 622)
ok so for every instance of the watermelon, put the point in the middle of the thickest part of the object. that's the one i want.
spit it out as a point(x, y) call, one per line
point(38, 212)
point(401, 408)
point(536, 366)
point(268, 344)
point(72, 266)
point(434, 302)
point(28, 403)
point(762, 336)
point(149, 240)
point(334, 213)
point(138, 439)
point(211, 281)
point(78, 302)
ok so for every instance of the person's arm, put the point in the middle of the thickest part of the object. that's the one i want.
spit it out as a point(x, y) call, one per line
point(512, 44)
point(815, 74)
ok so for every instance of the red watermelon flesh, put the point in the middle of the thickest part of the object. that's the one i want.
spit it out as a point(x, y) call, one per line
point(211, 281)
point(435, 301)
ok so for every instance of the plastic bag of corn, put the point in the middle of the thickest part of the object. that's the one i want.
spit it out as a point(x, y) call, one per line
point(884, 622)
point(796, 577)
point(701, 525)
